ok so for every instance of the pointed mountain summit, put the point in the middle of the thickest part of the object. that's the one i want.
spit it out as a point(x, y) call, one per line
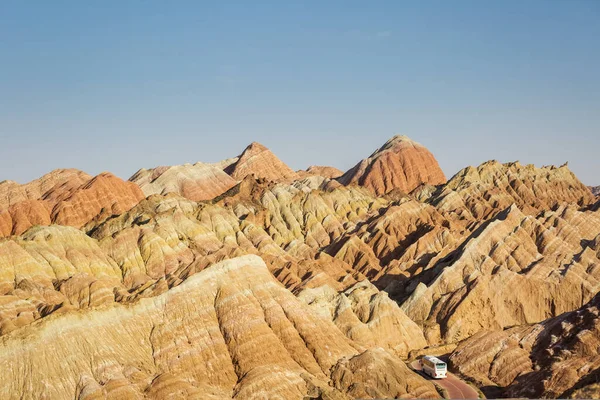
point(401, 163)
point(259, 161)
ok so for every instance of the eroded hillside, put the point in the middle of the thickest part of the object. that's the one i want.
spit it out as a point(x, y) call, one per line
point(244, 278)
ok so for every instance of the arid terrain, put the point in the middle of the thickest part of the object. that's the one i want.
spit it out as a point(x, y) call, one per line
point(245, 279)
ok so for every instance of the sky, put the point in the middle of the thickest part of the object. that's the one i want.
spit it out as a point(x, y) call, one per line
point(122, 85)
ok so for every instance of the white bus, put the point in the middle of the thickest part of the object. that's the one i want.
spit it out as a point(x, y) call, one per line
point(434, 367)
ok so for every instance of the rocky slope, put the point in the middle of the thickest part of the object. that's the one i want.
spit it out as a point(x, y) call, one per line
point(326, 172)
point(478, 193)
point(230, 331)
point(595, 190)
point(400, 163)
point(555, 358)
point(12, 193)
point(193, 181)
point(426, 258)
point(73, 198)
point(206, 282)
point(259, 161)
point(513, 270)
point(367, 316)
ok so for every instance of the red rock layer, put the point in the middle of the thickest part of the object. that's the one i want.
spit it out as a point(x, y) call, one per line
point(72, 201)
point(400, 163)
point(12, 192)
point(104, 195)
point(21, 216)
point(259, 161)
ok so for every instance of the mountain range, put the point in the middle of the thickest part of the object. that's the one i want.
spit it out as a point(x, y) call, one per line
point(245, 279)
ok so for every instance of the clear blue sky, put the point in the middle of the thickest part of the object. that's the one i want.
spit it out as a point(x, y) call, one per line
point(120, 85)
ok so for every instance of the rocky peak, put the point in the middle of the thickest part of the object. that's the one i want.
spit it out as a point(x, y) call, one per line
point(259, 161)
point(397, 141)
point(401, 163)
point(254, 148)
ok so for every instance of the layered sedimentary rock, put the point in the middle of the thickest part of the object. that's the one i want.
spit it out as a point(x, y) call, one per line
point(400, 163)
point(165, 239)
point(310, 238)
point(515, 269)
point(162, 293)
point(99, 198)
point(555, 358)
point(459, 269)
point(23, 206)
point(66, 197)
point(55, 181)
point(230, 331)
point(193, 181)
point(22, 215)
point(477, 193)
point(259, 161)
point(429, 259)
point(326, 172)
point(284, 224)
point(367, 316)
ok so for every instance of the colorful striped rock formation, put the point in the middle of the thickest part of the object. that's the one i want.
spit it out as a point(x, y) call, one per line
point(246, 280)
point(400, 163)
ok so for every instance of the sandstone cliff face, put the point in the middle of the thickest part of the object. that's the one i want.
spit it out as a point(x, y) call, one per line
point(400, 163)
point(193, 181)
point(230, 331)
point(259, 161)
point(555, 358)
